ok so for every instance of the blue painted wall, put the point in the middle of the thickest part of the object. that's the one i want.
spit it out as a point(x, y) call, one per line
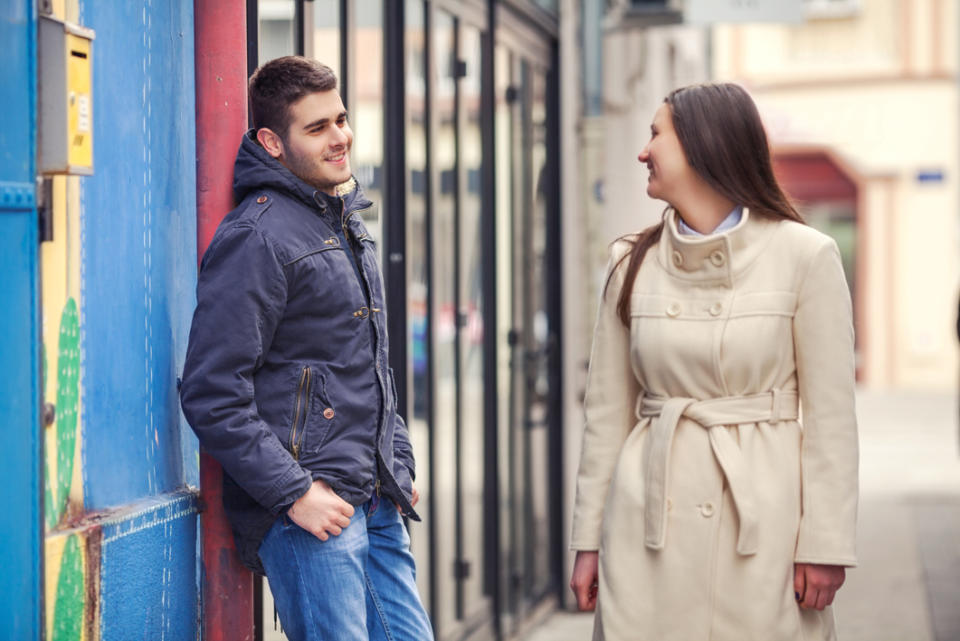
point(139, 251)
point(21, 533)
point(147, 572)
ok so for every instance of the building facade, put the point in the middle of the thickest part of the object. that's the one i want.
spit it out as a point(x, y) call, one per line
point(460, 140)
point(861, 102)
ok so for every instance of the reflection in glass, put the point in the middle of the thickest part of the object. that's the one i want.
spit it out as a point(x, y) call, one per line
point(416, 204)
point(522, 325)
point(442, 243)
point(366, 115)
point(326, 33)
point(276, 38)
point(507, 379)
point(536, 339)
point(549, 5)
point(471, 318)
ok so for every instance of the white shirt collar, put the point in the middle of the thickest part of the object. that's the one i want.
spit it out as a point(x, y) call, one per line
point(728, 223)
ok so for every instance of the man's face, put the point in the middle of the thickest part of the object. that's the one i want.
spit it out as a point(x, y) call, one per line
point(316, 148)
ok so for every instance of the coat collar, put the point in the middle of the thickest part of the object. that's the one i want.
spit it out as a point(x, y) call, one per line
point(716, 258)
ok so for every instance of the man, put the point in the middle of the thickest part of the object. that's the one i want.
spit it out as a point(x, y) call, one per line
point(286, 381)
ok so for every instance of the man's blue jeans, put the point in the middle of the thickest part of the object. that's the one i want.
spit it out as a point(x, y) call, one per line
point(356, 586)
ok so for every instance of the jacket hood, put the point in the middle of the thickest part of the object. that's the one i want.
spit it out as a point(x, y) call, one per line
point(255, 169)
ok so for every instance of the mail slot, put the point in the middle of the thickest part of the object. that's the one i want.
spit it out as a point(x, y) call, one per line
point(66, 98)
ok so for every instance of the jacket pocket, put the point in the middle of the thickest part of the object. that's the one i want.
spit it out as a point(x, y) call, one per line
point(322, 419)
point(301, 408)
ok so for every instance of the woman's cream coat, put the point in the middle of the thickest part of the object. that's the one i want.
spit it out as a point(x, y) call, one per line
point(697, 483)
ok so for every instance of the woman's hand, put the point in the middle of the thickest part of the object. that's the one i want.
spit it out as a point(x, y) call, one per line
point(815, 585)
point(584, 580)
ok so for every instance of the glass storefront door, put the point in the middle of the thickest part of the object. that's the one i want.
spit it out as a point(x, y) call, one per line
point(457, 354)
point(526, 423)
point(479, 555)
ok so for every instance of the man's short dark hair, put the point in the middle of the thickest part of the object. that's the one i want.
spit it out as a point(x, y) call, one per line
point(276, 85)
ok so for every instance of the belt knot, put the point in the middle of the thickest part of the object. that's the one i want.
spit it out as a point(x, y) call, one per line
point(714, 415)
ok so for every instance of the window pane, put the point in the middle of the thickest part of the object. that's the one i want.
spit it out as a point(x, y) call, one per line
point(276, 29)
point(471, 318)
point(443, 313)
point(416, 188)
point(549, 5)
point(326, 33)
point(366, 116)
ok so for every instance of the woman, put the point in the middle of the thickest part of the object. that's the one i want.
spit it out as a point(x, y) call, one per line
point(703, 509)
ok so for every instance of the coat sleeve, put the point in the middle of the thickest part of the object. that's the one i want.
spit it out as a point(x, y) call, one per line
point(404, 468)
point(241, 295)
point(611, 395)
point(824, 349)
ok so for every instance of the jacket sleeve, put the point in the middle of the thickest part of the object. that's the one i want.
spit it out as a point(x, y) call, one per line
point(611, 394)
point(241, 295)
point(824, 349)
point(404, 468)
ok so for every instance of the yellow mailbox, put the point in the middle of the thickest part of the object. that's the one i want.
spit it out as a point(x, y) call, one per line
point(66, 98)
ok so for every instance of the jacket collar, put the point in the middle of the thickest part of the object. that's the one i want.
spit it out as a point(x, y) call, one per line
point(716, 258)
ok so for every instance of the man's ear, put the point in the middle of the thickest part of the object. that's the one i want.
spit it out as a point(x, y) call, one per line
point(270, 141)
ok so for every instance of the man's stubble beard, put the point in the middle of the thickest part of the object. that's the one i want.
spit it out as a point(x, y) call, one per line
point(309, 171)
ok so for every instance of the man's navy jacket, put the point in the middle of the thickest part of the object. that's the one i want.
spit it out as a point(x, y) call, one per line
point(286, 377)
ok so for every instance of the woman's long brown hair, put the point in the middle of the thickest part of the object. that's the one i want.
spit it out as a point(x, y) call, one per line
point(721, 133)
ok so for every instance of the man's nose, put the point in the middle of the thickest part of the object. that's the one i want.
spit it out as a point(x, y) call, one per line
point(340, 136)
point(644, 155)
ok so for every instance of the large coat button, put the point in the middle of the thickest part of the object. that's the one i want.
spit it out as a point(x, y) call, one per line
point(718, 258)
point(706, 509)
point(673, 310)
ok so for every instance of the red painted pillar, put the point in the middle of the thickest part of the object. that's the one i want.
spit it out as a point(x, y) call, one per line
point(221, 92)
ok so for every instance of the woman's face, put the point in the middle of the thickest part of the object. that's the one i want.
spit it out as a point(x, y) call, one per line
point(670, 173)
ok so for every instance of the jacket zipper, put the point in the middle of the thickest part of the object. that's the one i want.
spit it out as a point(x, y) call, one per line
point(302, 401)
point(344, 217)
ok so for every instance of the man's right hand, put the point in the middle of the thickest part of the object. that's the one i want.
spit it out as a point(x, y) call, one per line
point(321, 512)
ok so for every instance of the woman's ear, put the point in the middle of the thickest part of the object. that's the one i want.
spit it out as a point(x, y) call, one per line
point(270, 141)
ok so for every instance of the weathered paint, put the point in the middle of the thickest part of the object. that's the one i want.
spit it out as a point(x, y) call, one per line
point(139, 269)
point(60, 274)
point(221, 71)
point(20, 519)
point(118, 279)
point(148, 571)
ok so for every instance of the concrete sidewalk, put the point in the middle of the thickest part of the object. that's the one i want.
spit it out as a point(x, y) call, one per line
point(907, 586)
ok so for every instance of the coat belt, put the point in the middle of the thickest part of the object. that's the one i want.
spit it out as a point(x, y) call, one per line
point(713, 415)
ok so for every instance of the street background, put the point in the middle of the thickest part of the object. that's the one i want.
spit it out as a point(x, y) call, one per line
point(499, 141)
